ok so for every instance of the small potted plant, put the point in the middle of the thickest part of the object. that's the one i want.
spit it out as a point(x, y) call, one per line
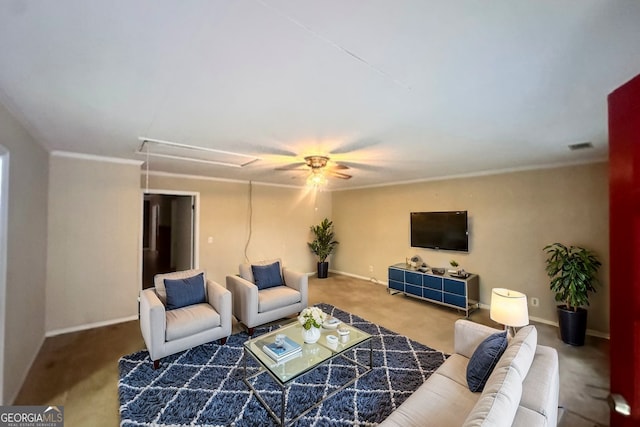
point(572, 271)
point(323, 245)
point(457, 272)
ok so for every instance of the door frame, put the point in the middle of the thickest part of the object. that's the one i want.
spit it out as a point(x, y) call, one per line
point(195, 228)
point(4, 215)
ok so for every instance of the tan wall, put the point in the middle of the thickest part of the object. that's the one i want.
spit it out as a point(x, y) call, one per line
point(512, 217)
point(24, 321)
point(95, 215)
point(281, 219)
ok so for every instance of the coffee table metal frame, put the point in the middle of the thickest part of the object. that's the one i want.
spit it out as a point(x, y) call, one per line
point(294, 330)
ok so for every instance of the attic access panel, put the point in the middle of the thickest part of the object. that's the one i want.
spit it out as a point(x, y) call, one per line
point(193, 153)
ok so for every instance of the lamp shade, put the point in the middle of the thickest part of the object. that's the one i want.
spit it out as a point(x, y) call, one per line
point(509, 307)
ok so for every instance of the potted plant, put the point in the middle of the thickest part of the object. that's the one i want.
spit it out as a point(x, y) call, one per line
point(323, 245)
point(572, 271)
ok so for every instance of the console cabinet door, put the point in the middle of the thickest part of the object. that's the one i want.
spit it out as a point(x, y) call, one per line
point(413, 283)
point(455, 287)
point(396, 279)
point(432, 294)
point(433, 282)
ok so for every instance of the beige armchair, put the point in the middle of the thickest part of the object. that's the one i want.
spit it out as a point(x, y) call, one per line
point(167, 330)
point(253, 306)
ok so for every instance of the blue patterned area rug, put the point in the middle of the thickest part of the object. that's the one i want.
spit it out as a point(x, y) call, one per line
point(203, 386)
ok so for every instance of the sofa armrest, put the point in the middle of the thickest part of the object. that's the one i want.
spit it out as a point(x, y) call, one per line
point(245, 299)
point(220, 299)
point(297, 281)
point(153, 321)
point(468, 336)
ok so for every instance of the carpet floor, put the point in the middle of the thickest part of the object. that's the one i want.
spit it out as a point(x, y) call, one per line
point(203, 386)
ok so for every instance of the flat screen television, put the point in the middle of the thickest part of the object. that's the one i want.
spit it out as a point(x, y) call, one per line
point(440, 230)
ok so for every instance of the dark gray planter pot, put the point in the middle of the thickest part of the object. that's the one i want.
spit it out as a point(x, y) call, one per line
point(323, 270)
point(573, 325)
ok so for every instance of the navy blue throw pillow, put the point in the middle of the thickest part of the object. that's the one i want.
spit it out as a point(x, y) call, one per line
point(484, 359)
point(184, 292)
point(267, 276)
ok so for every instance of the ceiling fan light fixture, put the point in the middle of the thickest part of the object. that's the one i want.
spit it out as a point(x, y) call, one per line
point(317, 179)
point(316, 162)
point(319, 169)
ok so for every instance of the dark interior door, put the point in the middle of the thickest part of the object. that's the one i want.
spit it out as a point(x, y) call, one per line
point(169, 235)
point(624, 251)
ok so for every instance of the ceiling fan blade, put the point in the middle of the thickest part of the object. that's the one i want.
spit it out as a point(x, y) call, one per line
point(292, 166)
point(364, 166)
point(271, 150)
point(339, 174)
point(335, 165)
point(356, 145)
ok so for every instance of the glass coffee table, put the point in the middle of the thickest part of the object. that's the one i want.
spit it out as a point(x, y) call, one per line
point(311, 357)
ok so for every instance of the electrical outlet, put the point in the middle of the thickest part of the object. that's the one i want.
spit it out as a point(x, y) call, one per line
point(535, 302)
point(371, 269)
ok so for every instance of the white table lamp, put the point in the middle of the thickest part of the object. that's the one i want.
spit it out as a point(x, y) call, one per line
point(509, 308)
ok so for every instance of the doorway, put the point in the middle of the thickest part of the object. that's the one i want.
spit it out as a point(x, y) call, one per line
point(169, 233)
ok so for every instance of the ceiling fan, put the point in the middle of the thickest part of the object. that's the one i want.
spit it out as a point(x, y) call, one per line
point(319, 167)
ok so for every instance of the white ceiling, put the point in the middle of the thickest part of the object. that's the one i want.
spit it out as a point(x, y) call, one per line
point(397, 90)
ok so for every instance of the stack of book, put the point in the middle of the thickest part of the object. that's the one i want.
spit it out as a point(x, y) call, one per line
point(288, 349)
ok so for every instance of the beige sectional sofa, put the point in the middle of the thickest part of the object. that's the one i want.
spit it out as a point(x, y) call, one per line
point(522, 390)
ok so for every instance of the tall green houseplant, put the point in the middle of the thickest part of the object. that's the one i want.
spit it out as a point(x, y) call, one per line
point(323, 245)
point(572, 271)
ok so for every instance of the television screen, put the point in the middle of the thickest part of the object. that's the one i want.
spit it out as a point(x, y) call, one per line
point(440, 230)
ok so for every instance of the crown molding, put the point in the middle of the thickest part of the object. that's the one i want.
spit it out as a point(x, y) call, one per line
point(95, 158)
point(211, 178)
point(478, 174)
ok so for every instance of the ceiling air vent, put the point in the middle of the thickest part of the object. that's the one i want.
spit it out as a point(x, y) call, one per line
point(580, 146)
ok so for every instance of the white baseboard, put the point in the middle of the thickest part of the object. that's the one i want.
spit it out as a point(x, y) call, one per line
point(56, 332)
point(590, 332)
point(356, 276)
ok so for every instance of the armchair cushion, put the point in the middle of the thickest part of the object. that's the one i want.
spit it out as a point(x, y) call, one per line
point(277, 297)
point(188, 321)
point(184, 292)
point(267, 276)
